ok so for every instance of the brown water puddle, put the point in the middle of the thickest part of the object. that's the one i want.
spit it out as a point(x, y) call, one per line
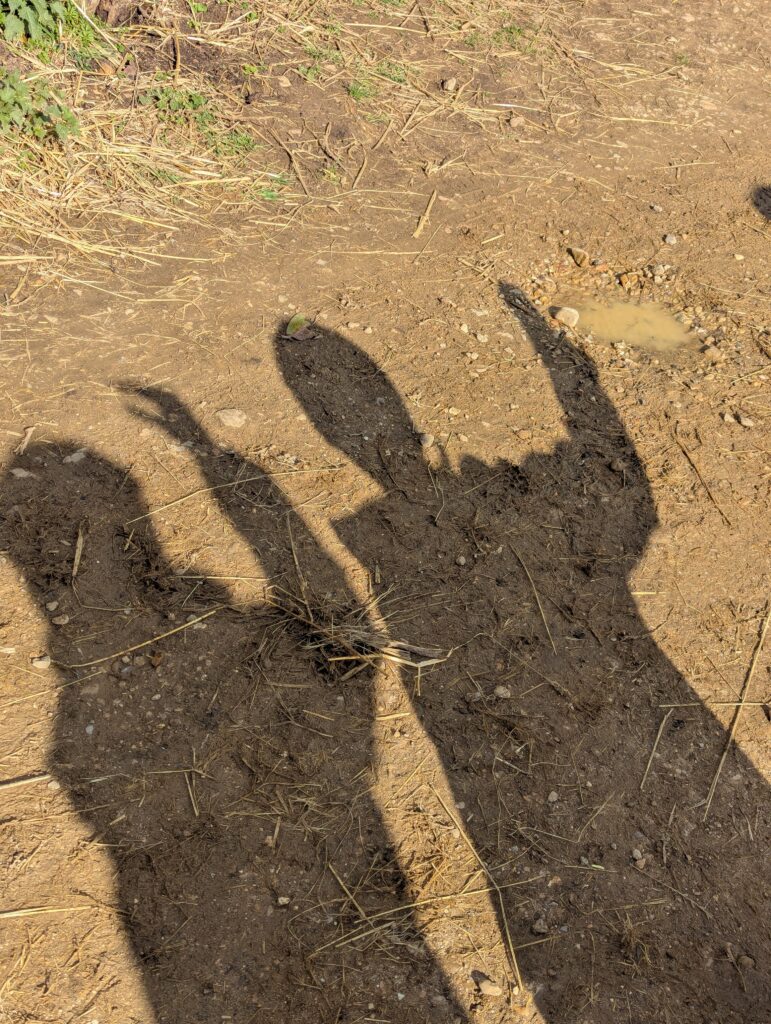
point(647, 325)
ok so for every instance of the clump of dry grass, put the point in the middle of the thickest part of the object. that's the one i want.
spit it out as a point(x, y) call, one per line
point(147, 161)
point(344, 638)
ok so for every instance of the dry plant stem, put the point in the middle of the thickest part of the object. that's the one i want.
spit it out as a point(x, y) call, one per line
point(655, 745)
point(701, 479)
point(507, 934)
point(16, 783)
point(144, 643)
point(425, 216)
point(739, 709)
point(221, 487)
point(34, 911)
point(537, 597)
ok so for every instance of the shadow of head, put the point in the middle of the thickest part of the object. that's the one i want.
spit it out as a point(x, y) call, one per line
point(63, 508)
point(761, 200)
point(348, 398)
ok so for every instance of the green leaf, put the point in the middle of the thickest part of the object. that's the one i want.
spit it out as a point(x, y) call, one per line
point(13, 28)
point(297, 322)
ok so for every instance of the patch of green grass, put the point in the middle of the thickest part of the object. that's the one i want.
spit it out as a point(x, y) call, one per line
point(234, 143)
point(509, 34)
point(31, 108)
point(186, 108)
point(361, 89)
point(391, 70)
point(179, 106)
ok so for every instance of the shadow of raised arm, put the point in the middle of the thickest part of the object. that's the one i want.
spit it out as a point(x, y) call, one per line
point(603, 453)
point(248, 495)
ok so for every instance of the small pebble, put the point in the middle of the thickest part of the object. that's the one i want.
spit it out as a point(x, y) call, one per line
point(488, 987)
point(426, 440)
point(42, 663)
point(636, 855)
point(580, 256)
point(567, 315)
point(670, 239)
point(727, 417)
point(450, 84)
point(75, 457)
point(745, 421)
point(553, 797)
point(60, 620)
point(54, 786)
point(283, 901)
point(460, 560)
point(90, 729)
point(234, 418)
point(540, 927)
point(51, 606)
point(502, 692)
point(656, 208)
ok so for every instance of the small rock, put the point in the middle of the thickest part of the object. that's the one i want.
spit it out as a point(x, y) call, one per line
point(460, 560)
point(54, 786)
point(21, 474)
point(502, 692)
point(656, 208)
point(553, 797)
point(540, 927)
point(636, 855)
point(90, 729)
point(745, 961)
point(670, 239)
point(60, 620)
point(489, 988)
point(426, 440)
point(450, 84)
point(76, 456)
point(727, 417)
point(640, 864)
point(566, 315)
point(283, 901)
point(284, 82)
point(42, 663)
point(234, 418)
point(738, 257)
point(580, 256)
point(745, 420)
point(51, 606)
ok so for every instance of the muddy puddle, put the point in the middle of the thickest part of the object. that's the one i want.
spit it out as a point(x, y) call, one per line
point(646, 325)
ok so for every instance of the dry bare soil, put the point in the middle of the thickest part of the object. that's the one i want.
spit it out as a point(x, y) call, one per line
point(410, 665)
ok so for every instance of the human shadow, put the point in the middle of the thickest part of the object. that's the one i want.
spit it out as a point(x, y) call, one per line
point(211, 746)
point(226, 764)
point(557, 692)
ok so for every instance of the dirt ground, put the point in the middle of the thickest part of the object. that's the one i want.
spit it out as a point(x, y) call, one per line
point(409, 666)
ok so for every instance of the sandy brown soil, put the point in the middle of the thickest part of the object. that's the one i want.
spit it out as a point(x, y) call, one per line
point(232, 795)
